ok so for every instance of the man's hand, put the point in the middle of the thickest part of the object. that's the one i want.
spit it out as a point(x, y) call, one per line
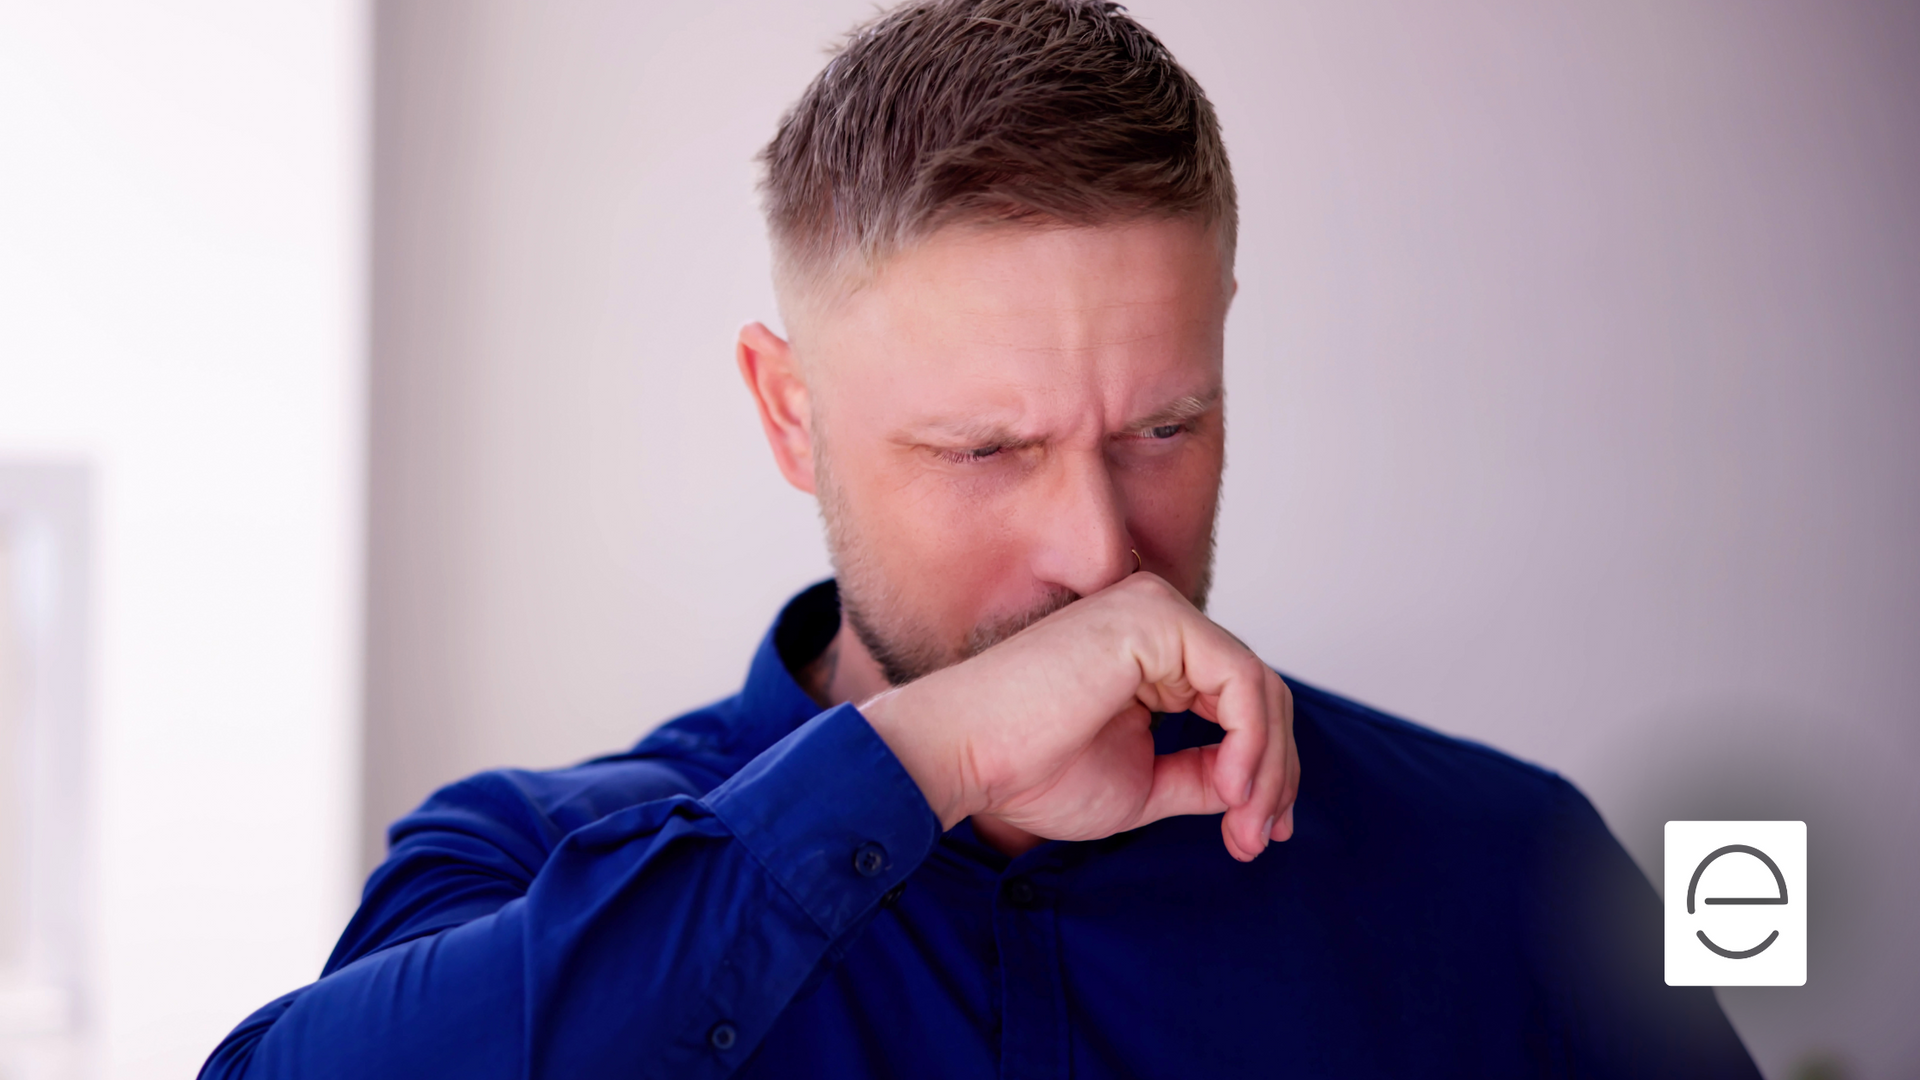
point(1047, 731)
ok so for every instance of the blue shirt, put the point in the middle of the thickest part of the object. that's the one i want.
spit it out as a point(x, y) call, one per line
point(758, 889)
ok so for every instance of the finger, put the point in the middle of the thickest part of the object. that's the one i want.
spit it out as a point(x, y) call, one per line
point(1247, 822)
point(1260, 816)
point(1202, 666)
point(1229, 685)
point(1234, 847)
point(1232, 695)
point(1290, 790)
point(1182, 784)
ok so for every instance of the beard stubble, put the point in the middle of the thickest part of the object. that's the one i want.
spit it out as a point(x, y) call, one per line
point(904, 648)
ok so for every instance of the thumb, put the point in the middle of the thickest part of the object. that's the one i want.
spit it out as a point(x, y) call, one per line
point(1183, 784)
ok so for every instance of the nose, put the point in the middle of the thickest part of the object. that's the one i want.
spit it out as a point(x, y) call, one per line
point(1080, 537)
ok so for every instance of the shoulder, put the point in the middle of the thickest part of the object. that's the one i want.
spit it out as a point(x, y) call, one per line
point(1480, 831)
point(1352, 751)
point(478, 843)
point(687, 756)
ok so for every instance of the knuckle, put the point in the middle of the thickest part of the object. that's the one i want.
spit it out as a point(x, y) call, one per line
point(1150, 585)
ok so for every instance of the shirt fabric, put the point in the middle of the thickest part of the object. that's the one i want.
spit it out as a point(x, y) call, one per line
point(758, 889)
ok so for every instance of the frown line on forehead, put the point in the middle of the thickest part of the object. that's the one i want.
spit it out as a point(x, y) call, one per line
point(999, 426)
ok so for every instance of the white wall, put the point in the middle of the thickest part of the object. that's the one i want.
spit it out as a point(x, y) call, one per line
point(1577, 409)
point(1574, 400)
point(576, 527)
point(181, 282)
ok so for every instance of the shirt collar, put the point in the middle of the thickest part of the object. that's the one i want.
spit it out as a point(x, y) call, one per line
point(772, 696)
point(773, 704)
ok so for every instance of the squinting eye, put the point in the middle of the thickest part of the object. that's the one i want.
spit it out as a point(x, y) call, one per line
point(1165, 431)
point(980, 453)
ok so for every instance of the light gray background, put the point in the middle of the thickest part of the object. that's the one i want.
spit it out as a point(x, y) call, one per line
point(1575, 379)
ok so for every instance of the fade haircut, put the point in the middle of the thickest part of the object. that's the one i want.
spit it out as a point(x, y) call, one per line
point(938, 112)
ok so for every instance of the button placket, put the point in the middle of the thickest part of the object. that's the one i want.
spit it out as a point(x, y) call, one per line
point(1032, 998)
point(1019, 892)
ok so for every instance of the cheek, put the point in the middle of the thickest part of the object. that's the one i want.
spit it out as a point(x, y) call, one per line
point(939, 541)
point(1170, 510)
point(926, 517)
point(959, 550)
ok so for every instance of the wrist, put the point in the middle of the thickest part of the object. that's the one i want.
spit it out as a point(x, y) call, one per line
point(916, 745)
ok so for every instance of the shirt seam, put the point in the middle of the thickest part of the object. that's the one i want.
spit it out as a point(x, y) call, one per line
point(772, 875)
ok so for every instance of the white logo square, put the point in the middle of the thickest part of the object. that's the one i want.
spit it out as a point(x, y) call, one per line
point(1736, 903)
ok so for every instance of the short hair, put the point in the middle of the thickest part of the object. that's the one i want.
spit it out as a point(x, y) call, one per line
point(946, 111)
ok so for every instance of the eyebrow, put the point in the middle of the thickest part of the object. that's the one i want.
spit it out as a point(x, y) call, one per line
point(1178, 411)
point(972, 433)
point(990, 433)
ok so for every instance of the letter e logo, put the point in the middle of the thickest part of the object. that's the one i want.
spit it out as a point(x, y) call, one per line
point(1736, 903)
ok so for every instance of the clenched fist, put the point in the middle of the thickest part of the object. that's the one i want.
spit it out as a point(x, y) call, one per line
point(1048, 730)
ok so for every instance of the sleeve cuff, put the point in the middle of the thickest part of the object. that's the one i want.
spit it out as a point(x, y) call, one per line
point(832, 815)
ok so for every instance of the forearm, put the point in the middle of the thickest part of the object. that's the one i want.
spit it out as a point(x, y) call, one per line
point(643, 936)
point(529, 990)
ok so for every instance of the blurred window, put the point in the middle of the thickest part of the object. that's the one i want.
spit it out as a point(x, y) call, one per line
point(13, 775)
point(43, 547)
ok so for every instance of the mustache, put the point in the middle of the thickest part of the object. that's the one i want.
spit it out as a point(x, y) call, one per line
point(987, 635)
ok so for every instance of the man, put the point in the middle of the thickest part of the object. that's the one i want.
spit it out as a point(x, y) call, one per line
point(967, 816)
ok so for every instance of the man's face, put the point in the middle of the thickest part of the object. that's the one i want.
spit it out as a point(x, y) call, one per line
point(1003, 415)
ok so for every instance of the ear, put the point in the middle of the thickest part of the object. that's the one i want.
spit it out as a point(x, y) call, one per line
point(773, 377)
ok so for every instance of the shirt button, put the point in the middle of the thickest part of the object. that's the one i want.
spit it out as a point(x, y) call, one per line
point(723, 1036)
point(1019, 892)
point(869, 859)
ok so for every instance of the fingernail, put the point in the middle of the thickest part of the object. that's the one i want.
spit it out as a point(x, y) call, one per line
point(1247, 794)
point(1287, 820)
point(1266, 835)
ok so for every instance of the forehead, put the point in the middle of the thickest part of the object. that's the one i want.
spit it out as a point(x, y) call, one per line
point(1018, 305)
